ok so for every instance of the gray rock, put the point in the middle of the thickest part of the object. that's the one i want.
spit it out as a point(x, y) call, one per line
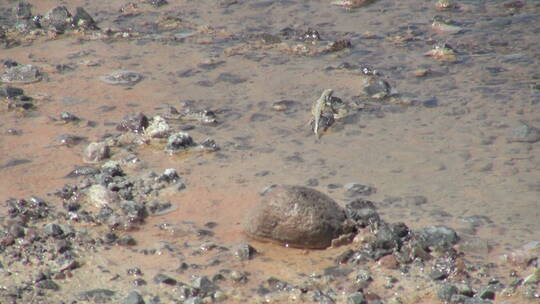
point(23, 10)
point(194, 300)
point(179, 142)
point(230, 78)
point(98, 295)
point(68, 117)
point(356, 298)
point(438, 274)
point(22, 73)
point(47, 284)
point(96, 152)
point(434, 236)
point(446, 291)
point(69, 140)
point(204, 285)
point(158, 128)
point(157, 3)
point(377, 88)
point(10, 92)
point(100, 196)
point(244, 251)
point(465, 289)
point(161, 278)
point(355, 189)
point(83, 20)
point(126, 240)
point(362, 212)
point(186, 292)
point(133, 122)
point(386, 237)
point(16, 230)
point(82, 171)
point(133, 298)
point(169, 176)
point(53, 230)
point(415, 200)
point(58, 19)
point(467, 300)
point(296, 216)
point(487, 292)
point(524, 133)
point(209, 145)
point(122, 77)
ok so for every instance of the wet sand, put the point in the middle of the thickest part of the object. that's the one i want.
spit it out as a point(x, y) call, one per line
point(450, 146)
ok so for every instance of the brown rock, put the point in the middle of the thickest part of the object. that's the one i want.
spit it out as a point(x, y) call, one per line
point(388, 262)
point(296, 216)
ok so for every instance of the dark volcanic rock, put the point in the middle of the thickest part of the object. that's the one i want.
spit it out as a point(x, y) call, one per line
point(47, 284)
point(83, 20)
point(10, 92)
point(434, 236)
point(179, 142)
point(296, 216)
point(161, 278)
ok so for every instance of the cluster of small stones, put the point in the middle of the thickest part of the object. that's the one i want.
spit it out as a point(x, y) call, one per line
point(430, 253)
point(50, 241)
point(15, 99)
point(157, 130)
point(25, 26)
point(53, 242)
point(293, 41)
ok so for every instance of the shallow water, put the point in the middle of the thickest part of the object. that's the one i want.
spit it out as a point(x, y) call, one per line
point(450, 146)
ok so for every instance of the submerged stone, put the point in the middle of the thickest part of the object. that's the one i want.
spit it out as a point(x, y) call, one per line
point(122, 77)
point(524, 133)
point(377, 88)
point(296, 216)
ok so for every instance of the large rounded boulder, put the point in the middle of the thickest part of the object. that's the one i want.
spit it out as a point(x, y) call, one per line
point(296, 216)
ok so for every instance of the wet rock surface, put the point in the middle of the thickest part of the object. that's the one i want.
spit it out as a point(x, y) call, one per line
point(296, 216)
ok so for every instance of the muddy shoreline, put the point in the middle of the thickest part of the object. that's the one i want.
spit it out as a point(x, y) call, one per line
point(435, 123)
